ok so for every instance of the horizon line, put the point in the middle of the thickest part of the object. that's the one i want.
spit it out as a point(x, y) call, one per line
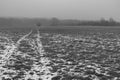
point(8, 17)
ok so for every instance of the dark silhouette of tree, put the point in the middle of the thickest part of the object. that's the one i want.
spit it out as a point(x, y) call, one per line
point(111, 20)
point(38, 24)
point(54, 22)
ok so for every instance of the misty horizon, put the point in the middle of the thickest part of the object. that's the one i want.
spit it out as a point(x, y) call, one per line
point(61, 9)
point(100, 19)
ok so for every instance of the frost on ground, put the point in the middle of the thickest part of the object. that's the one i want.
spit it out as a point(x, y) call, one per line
point(59, 57)
point(24, 60)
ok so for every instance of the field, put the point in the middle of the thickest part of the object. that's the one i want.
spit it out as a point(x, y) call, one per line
point(60, 53)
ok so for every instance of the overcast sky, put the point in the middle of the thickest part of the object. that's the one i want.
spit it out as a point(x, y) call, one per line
point(63, 9)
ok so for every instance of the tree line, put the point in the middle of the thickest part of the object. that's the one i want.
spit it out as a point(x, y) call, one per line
point(102, 22)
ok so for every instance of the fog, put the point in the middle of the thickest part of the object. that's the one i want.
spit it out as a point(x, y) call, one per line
point(63, 9)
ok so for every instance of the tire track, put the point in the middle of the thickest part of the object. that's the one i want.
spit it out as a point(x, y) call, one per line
point(11, 49)
point(26, 61)
point(44, 61)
